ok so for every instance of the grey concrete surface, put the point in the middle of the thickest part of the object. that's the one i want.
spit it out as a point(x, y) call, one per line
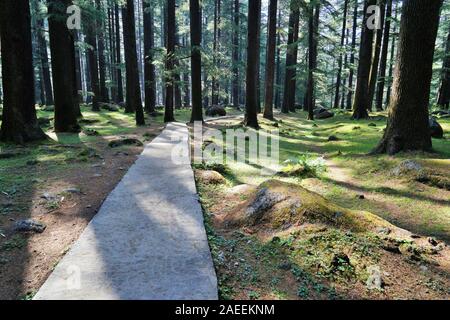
point(148, 240)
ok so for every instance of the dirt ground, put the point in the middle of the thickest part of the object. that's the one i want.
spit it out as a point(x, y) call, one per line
point(27, 259)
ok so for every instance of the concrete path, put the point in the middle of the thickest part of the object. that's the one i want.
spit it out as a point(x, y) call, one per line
point(148, 240)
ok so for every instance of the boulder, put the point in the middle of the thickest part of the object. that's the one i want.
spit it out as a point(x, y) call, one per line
point(209, 177)
point(406, 167)
point(277, 205)
point(436, 129)
point(322, 113)
point(125, 142)
point(216, 111)
point(109, 106)
point(29, 225)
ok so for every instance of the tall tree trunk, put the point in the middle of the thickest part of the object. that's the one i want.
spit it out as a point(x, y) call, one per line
point(313, 38)
point(408, 124)
point(176, 77)
point(383, 59)
point(376, 56)
point(361, 101)
point(392, 58)
point(196, 60)
point(93, 65)
point(133, 89)
point(78, 77)
point(352, 58)
point(112, 53)
point(171, 29)
point(43, 54)
point(444, 90)
point(19, 123)
point(344, 85)
point(118, 56)
point(236, 54)
point(251, 115)
point(63, 68)
point(339, 74)
point(294, 18)
point(104, 96)
point(149, 67)
point(270, 59)
point(278, 66)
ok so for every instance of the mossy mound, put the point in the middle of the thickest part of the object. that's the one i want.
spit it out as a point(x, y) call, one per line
point(209, 177)
point(280, 205)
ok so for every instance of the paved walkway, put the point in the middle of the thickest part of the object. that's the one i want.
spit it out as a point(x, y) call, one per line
point(148, 240)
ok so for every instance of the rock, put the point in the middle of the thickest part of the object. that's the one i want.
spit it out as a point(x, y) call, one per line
point(48, 196)
point(383, 230)
point(432, 241)
point(333, 138)
point(216, 111)
point(265, 199)
point(97, 175)
point(88, 121)
point(324, 115)
point(372, 124)
point(209, 177)
point(72, 190)
point(125, 141)
point(286, 266)
point(109, 106)
point(91, 132)
point(29, 225)
point(436, 129)
point(407, 166)
point(239, 189)
point(356, 128)
point(374, 280)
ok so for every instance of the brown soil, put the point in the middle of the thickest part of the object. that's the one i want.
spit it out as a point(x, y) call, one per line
point(30, 258)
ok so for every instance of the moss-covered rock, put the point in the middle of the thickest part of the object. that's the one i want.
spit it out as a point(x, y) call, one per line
point(279, 205)
point(209, 177)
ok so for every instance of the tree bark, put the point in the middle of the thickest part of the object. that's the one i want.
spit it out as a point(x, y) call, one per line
point(444, 90)
point(270, 59)
point(392, 58)
point(196, 60)
point(376, 56)
point(278, 66)
point(313, 34)
point(104, 95)
point(93, 65)
point(408, 123)
point(361, 101)
point(43, 54)
point(352, 58)
point(149, 67)
point(294, 18)
point(339, 74)
point(251, 115)
point(63, 68)
point(19, 122)
point(118, 56)
point(170, 39)
point(383, 59)
point(133, 89)
point(236, 55)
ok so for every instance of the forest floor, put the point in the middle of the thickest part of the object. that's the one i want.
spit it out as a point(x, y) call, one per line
point(60, 183)
point(295, 262)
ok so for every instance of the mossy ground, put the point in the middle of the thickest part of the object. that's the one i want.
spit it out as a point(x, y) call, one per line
point(350, 173)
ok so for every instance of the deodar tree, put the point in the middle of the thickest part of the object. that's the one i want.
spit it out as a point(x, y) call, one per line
point(19, 123)
point(408, 122)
